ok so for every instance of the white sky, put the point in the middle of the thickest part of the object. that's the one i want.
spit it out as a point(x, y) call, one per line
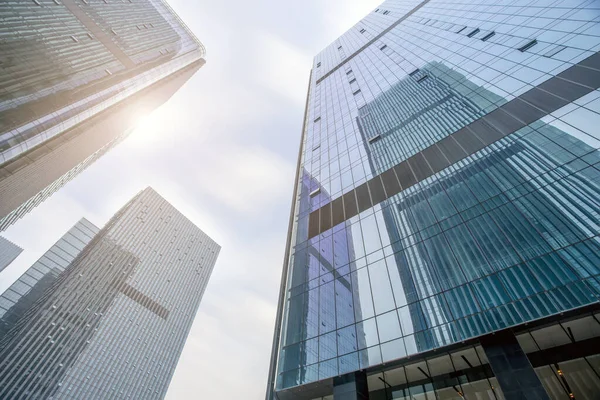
point(223, 151)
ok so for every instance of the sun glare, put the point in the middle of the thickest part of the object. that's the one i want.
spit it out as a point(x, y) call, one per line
point(148, 126)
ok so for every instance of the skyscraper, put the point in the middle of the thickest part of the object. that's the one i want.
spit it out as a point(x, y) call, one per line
point(114, 322)
point(8, 252)
point(453, 146)
point(25, 291)
point(75, 78)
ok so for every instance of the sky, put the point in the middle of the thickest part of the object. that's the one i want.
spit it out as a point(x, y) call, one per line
point(222, 150)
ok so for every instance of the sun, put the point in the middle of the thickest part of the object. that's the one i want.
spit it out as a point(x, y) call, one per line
point(148, 126)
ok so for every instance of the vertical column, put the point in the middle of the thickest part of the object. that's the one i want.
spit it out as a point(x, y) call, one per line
point(352, 386)
point(512, 368)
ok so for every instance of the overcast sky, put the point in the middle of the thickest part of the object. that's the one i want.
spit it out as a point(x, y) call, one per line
point(223, 151)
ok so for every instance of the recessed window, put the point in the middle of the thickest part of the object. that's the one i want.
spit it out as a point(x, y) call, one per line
point(374, 138)
point(554, 51)
point(528, 45)
point(473, 32)
point(357, 92)
point(488, 36)
point(383, 47)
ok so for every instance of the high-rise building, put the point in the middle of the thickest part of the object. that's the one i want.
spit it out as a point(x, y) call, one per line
point(8, 252)
point(75, 76)
point(25, 291)
point(444, 235)
point(113, 323)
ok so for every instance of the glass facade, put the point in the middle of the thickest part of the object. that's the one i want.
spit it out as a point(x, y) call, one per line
point(68, 64)
point(21, 295)
point(8, 252)
point(114, 322)
point(453, 187)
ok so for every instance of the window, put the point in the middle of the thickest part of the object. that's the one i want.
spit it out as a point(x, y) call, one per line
point(528, 45)
point(339, 47)
point(348, 72)
point(374, 138)
point(37, 2)
point(473, 32)
point(414, 72)
point(554, 51)
point(363, 30)
point(461, 29)
point(357, 92)
point(318, 64)
point(421, 79)
point(383, 47)
point(317, 119)
point(488, 36)
point(316, 147)
point(386, 12)
point(74, 39)
point(315, 192)
point(353, 80)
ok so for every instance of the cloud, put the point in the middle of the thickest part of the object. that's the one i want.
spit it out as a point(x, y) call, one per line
point(282, 67)
point(246, 178)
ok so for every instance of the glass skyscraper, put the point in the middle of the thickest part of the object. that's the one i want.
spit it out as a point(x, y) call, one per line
point(444, 232)
point(74, 78)
point(25, 291)
point(105, 313)
point(8, 252)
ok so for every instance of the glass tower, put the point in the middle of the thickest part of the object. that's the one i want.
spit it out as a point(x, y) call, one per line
point(8, 252)
point(444, 232)
point(30, 287)
point(74, 78)
point(113, 323)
